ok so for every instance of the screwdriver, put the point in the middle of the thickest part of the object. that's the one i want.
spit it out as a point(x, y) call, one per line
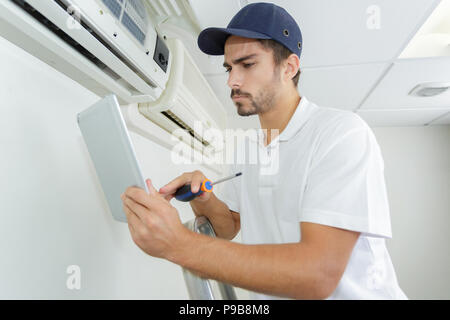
point(185, 194)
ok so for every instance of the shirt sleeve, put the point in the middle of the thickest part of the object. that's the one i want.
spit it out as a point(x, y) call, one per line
point(345, 185)
point(230, 191)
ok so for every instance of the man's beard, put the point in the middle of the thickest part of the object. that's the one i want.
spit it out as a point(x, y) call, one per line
point(261, 103)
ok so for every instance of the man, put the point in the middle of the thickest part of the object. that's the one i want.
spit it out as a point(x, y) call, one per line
point(312, 229)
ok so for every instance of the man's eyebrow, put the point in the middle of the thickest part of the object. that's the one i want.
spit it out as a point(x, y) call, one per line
point(239, 60)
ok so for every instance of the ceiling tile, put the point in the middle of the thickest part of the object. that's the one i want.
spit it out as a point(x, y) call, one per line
point(356, 31)
point(398, 118)
point(392, 92)
point(340, 87)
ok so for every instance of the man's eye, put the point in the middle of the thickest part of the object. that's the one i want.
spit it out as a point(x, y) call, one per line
point(247, 65)
point(228, 70)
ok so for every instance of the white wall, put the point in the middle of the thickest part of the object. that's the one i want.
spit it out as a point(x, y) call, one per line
point(417, 172)
point(52, 210)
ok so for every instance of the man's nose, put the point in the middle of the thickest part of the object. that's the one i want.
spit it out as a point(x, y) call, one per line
point(234, 80)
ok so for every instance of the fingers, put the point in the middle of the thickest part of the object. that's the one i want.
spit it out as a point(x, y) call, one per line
point(194, 178)
point(140, 196)
point(139, 210)
point(152, 191)
point(197, 180)
point(169, 197)
point(173, 185)
point(134, 223)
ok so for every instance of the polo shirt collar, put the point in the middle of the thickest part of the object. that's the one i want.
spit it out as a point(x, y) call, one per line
point(297, 121)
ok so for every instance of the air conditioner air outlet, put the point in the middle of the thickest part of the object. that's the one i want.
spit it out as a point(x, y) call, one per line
point(182, 125)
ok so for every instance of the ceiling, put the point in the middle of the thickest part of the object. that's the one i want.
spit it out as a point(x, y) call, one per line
point(350, 58)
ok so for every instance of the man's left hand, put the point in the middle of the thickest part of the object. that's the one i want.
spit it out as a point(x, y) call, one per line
point(154, 223)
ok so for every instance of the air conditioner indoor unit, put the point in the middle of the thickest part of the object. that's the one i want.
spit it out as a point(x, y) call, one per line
point(188, 103)
point(112, 46)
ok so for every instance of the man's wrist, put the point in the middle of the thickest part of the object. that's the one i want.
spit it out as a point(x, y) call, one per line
point(200, 201)
point(199, 207)
point(181, 250)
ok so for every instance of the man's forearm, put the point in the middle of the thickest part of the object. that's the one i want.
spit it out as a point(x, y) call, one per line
point(218, 214)
point(288, 270)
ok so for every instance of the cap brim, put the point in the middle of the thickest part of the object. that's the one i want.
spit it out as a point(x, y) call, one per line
point(212, 40)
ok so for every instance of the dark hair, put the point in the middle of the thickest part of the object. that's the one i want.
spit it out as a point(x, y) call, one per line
point(280, 53)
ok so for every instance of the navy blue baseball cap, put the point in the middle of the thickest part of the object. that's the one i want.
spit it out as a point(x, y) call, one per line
point(256, 21)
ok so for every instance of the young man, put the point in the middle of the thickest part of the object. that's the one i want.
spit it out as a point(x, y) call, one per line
point(312, 229)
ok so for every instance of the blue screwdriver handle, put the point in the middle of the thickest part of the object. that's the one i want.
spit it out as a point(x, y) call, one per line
point(185, 194)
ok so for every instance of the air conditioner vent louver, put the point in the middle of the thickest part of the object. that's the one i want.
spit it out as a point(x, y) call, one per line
point(131, 13)
point(138, 8)
point(170, 115)
point(133, 28)
point(114, 6)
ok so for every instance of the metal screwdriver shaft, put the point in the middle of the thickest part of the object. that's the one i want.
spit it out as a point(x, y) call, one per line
point(185, 194)
point(227, 178)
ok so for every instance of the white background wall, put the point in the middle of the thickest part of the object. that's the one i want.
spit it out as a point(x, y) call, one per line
point(53, 214)
point(417, 172)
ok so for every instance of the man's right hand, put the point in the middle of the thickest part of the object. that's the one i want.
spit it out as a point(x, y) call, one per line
point(194, 178)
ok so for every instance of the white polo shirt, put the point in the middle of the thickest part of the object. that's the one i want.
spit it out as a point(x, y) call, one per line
point(325, 167)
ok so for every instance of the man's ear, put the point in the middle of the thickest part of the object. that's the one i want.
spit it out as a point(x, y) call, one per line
point(292, 64)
